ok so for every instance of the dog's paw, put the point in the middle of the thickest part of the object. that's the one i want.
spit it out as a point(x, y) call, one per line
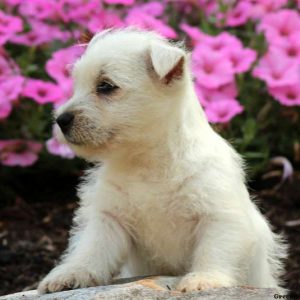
point(65, 277)
point(196, 281)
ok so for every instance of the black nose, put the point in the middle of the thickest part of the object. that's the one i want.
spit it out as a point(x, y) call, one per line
point(65, 121)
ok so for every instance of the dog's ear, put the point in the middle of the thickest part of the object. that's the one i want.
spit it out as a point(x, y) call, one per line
point(167, 61)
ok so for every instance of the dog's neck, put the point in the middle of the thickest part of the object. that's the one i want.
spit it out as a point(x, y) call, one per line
point(171, 142)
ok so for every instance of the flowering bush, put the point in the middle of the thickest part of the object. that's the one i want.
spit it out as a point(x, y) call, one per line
point(245, 57)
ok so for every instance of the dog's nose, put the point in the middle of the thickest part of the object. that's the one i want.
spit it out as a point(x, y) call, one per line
point(65, 121)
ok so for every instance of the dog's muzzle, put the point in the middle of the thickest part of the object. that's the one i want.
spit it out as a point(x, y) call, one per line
point(65, 121)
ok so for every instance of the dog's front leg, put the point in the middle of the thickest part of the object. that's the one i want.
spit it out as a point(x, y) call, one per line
point(217, 254)
point(96, 252)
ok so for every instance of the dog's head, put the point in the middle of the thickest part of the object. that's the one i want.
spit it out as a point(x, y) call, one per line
point(126, 84)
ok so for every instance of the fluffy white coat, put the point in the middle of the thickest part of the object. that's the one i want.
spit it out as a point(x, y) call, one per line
point(170, 195)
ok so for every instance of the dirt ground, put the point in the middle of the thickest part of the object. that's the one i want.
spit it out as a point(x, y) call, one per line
point(33, 234)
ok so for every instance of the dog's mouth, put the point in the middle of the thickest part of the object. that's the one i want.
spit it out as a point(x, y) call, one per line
point(84, 138)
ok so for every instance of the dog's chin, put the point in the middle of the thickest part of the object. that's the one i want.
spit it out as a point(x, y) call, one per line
point(92, 154)
point(87, 150)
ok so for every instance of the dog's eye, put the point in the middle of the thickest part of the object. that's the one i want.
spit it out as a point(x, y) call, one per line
point(105, 88)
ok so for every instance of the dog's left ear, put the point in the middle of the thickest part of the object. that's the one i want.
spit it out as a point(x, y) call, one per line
point(167, 61)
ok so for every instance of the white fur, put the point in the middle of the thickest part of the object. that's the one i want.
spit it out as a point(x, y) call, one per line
point(170, 195)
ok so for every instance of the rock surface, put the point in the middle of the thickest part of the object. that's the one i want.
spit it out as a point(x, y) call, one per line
point(155, 287)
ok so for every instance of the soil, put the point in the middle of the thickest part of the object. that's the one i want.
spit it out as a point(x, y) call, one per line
point(34, 233)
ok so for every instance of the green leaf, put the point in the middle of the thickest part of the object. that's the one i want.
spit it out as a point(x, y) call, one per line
point(249, 130)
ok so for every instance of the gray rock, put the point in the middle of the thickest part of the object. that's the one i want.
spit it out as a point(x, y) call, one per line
point(148, 288)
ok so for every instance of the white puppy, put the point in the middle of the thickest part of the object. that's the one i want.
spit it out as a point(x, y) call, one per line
point(169, 197)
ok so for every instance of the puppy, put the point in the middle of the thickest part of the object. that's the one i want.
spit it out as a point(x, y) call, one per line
point(169, 197)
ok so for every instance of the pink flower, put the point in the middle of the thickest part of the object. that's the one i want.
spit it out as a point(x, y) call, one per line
point(102, 20)
point(241, 58)
point(19, 152)
point(280, 25)
point(195, 34)
point(78, 11)
point(211, 69)
point(42, 92)
point(5, 106)
point(59, 64)
point(124, 2)
point(223, 111)
point(209, 7)
point(67, 7)
point(8, 67)
point(5, 68)
point(9, 25)
point(287, 95)
point(277, 70)
point(206, 96)
point(11, 84)
point(81, 12)
point(262, 7)
point(56, 148)
point(239, 15)
point(289, 47)
point(13, 2)
point(223, 41)
point(40, 33)
point(154, 8)
point(40, 9)
point(141, 17)
point(12, 87)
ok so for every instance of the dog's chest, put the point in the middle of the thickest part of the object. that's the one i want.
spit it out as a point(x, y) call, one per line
point(161, 224)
